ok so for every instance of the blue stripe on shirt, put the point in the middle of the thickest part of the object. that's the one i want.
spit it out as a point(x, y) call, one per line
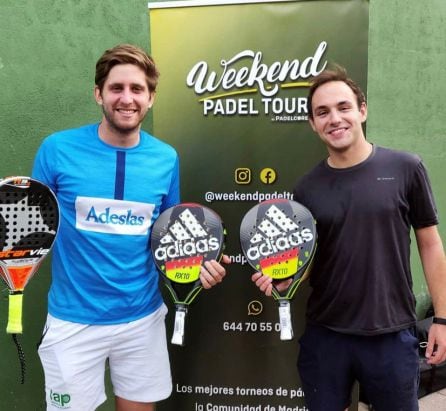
point(120, 175)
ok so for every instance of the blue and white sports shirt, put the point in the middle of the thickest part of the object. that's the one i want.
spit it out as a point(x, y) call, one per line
point(109, 197)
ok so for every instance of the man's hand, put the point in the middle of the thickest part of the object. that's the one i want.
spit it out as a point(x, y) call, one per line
point(213, 272)
point(265, 283)
point(437, 339)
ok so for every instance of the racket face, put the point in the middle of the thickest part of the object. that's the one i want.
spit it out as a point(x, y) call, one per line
point(278, 238)
point(183, 238)
point(29, 219)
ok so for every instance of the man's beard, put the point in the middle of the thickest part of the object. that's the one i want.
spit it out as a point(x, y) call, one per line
point(117, 127)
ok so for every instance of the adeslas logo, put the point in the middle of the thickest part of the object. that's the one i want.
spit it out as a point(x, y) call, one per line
point(104, 215)
point(107, 217)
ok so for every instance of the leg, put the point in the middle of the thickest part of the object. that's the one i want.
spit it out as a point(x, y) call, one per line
point(139, 363)
point(325, 369)
point(73, 359)
point(126, 405)
point(389, 371)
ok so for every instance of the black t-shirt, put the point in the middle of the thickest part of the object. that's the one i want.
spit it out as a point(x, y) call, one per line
point(361, 280)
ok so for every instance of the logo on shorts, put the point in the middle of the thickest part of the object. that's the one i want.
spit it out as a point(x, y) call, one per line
point(61, 401)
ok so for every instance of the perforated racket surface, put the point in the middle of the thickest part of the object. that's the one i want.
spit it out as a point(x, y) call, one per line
point(183, 238)
point(278, 237)
point(29, 219)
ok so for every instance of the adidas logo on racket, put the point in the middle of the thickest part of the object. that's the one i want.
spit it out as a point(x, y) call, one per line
point(278, 236)
point(187, 241)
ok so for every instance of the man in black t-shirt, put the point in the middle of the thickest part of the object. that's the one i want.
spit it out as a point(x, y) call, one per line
point(361, 312)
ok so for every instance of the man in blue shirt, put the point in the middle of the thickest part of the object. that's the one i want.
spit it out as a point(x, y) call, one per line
point(112, 181)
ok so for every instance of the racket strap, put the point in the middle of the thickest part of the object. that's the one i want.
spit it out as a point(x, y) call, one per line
point(179, 326)
point(286, 326)
point(21, 355)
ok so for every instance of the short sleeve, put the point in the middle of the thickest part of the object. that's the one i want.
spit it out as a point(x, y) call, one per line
point(423, 211)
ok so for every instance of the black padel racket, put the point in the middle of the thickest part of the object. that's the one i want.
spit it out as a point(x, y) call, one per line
point(183, 238)
point(29, 219)
point(278, 238)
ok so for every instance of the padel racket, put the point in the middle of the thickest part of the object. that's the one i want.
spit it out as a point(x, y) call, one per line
point(29, 219)
point(278, 238)
point(183, 238)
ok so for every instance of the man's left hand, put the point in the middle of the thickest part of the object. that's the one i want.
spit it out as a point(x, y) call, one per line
point(437, 339)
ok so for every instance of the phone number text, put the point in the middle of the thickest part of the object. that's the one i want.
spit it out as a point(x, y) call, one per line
point(251, 326)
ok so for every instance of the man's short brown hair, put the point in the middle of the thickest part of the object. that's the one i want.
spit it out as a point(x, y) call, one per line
point(338, 73)
point(126, 54)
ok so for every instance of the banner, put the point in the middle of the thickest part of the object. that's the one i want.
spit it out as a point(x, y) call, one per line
point(232, 101)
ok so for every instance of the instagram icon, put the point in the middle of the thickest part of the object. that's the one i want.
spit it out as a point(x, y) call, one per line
point(242, 175)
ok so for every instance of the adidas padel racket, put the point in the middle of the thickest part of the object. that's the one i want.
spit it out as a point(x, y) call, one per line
point(278, 238)
point(183, 238)
point(29, 219)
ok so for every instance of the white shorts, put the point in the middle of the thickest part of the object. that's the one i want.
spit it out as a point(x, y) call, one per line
point(74, 358)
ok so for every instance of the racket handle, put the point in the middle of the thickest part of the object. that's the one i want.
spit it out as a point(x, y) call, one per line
point(15, 313)
point(180, 319)
point(286, 326)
